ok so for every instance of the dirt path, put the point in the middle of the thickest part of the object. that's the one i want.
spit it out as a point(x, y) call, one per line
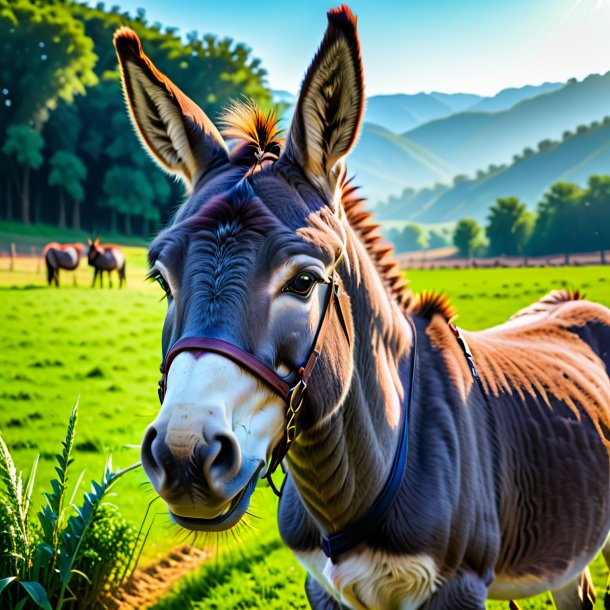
point(150, 584)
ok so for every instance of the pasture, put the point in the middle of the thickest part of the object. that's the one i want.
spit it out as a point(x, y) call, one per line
point(104, 346)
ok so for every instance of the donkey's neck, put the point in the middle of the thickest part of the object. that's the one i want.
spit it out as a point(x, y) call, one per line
point(341, 464)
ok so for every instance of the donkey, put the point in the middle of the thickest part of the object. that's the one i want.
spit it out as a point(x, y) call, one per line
point(427, 467)
point(106, 258)
point(61, 256)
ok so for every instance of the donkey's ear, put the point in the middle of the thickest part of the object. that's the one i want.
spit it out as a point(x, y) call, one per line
point(330, 105)
point(176, 132)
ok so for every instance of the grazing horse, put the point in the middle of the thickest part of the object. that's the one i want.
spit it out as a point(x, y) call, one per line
point(106, 258)
point(61, 256)
point(427, 467)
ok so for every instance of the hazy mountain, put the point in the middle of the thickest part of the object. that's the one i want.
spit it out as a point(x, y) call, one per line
point(471, 140)
point(573, 159)
point(280, 96)
point(400, 112)
point(383, 161)
point(507, 98)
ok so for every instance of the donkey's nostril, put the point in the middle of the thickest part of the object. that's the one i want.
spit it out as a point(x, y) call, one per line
point(224, 460)
point(150, 464)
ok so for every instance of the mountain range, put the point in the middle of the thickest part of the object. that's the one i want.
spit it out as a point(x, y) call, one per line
point(572, 159)
point(433, 142)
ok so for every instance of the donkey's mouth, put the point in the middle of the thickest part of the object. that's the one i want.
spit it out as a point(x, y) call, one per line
point(228, 518)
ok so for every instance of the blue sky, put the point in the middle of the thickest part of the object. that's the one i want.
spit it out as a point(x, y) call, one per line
point(408, 46)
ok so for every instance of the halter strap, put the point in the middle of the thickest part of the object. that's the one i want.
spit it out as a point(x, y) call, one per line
point(344, 540)
point(233, 352)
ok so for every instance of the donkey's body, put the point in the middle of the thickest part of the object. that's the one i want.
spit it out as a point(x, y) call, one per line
point(501, 489)
point(106, 258)
point(271, 265)
point(61, 256)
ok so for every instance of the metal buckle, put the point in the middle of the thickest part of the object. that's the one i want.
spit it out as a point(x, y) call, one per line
point(293, 409)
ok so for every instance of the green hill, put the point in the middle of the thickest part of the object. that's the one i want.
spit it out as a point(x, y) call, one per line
point(573, 159)
point(471, 140)
point(383, 161)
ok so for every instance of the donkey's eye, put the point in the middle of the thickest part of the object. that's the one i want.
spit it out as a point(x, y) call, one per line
point(302, 284)
point(155, 276)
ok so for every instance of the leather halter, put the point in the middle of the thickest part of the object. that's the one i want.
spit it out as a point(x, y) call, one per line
point(292, 396)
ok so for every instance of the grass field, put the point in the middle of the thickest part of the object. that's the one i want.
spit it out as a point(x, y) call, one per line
point(104, 346)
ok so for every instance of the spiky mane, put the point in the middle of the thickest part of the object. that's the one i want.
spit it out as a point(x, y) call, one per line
point(429, 303)
point(255, 133)
point(361, 221)
point(549, 302)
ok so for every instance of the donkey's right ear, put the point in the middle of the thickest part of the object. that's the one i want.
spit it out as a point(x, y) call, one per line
point(176, 132)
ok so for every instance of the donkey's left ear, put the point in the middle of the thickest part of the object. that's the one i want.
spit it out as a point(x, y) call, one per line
point(176, 132)
point(330, 105)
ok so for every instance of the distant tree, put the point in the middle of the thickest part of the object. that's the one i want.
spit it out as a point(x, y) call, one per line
point(411, 238)
point(596, 221)
point(508, 228)
point(437, 239)
point(460, 179)
point(51, 58)
point(464, 236)
point(68, 173)
point(557, 220)
point(128, 193)
point(25, 144)
point(545, 145)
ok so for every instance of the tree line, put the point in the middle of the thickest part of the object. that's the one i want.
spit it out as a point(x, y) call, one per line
point(68, 154)
point(568, 219)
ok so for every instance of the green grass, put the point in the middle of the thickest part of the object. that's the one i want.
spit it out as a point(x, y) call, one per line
point(104, 346)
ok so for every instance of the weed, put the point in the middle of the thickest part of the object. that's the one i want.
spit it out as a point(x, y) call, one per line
point(73, 555)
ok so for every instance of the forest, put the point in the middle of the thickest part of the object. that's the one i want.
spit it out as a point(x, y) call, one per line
point(568, 219)
point(68, 154)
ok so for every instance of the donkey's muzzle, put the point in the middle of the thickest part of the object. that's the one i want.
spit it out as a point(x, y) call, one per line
point(198, 473)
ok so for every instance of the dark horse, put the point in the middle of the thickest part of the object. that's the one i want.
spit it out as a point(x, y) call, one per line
point(106, 258)
point(426, 467)
point(61, 256)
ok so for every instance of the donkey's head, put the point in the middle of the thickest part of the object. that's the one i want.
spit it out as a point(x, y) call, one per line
point(94, 249)
point(249, 269)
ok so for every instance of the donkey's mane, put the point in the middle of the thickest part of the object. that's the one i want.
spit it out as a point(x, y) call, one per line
point(362, 222)
point(254, 133)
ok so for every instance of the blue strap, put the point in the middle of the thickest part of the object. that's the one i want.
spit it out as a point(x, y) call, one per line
point(348, 538)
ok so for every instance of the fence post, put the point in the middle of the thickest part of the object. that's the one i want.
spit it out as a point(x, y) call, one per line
point(33, 250)
point(13, 257)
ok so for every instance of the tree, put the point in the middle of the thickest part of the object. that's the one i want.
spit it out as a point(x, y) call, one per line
point(557, 221)
point(25, 144)
point(596, 221)
point(438, 239)
point(464, 236)
point(129, 193)
point(68, 173)
point(509, 227)
point(411, 238)
point(51, 58)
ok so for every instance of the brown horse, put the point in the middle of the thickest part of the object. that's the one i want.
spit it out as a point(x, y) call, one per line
point(427, 468)
point(61, 256)
point(107, 258)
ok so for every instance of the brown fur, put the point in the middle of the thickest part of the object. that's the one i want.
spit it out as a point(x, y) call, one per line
point(522, 359)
